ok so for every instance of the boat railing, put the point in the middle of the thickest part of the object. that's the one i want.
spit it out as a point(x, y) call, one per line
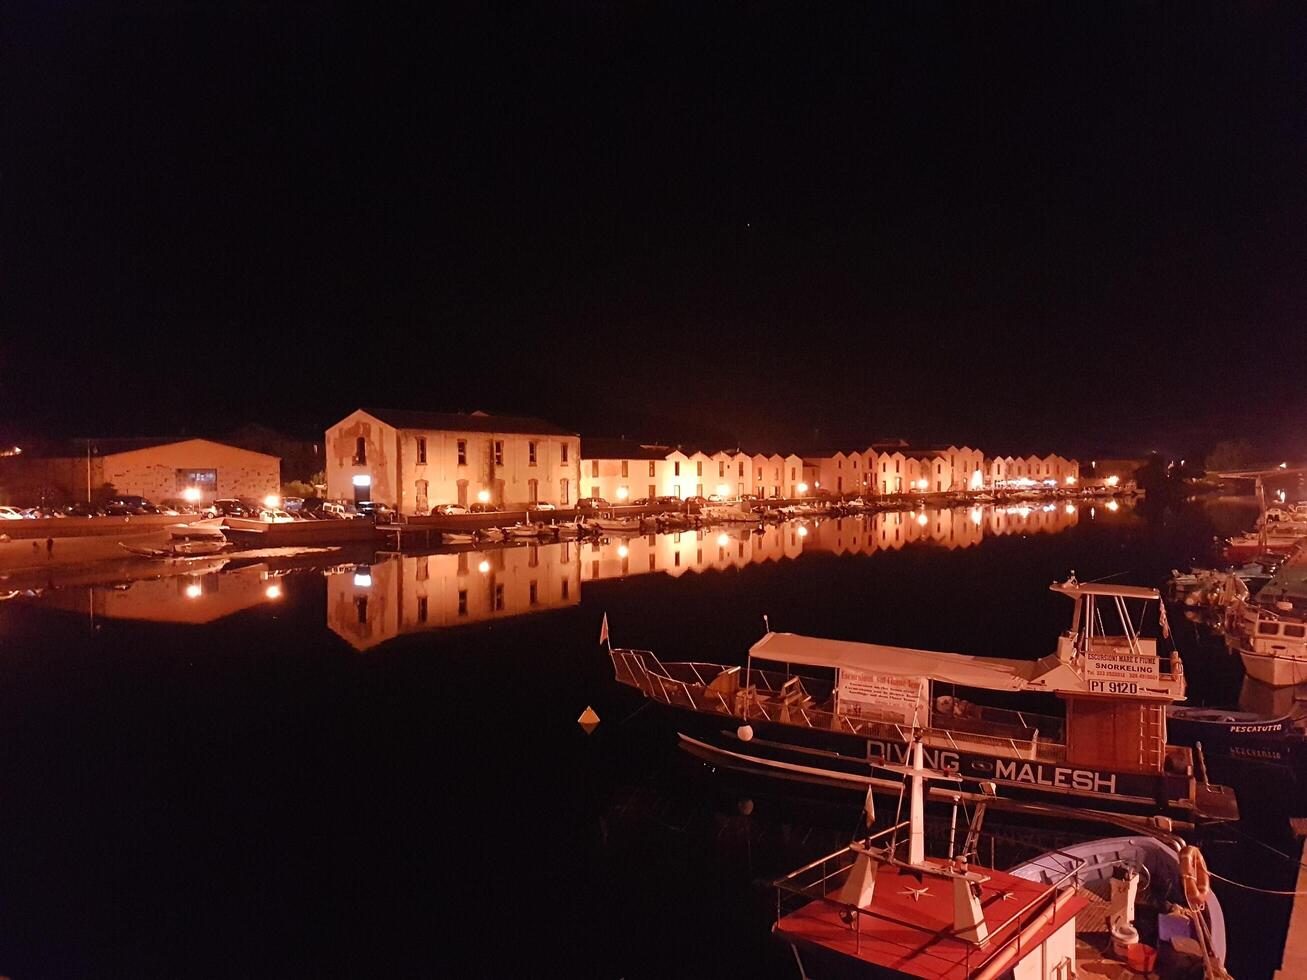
point(820, 881)
point(683, 684)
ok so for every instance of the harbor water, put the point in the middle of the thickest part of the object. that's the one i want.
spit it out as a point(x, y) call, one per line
point(345, 764)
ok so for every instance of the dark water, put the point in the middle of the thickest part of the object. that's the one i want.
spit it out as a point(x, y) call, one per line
point(375, 770)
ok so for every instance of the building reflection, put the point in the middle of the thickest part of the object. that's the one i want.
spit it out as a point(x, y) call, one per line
point(203, 594)
point(399, 594)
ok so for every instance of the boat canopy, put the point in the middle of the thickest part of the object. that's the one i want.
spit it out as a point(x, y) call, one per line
point(987, 673)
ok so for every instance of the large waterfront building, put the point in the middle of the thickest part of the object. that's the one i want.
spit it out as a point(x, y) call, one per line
point(414, 461)
point(155, 468)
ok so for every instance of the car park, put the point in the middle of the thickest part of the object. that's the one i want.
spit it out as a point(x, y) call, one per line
point(275, 516)
point(130, 504)
point(229, 507)
point(382, 513)
point(640, 502)
point(448, 509)
point(668, 501)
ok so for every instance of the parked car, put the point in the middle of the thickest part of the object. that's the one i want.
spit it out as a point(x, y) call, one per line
point(339, 509)
point(695, 501)
point(83, 510)
point(640, 502)
point(745, 497)
point(592, 503)
point(480, 508)
point(176, 505)
point(130, 504)
point(382, 513)
point(292, 504)
point(668, 501)
point(542, 505)
point(275, 516)
point(229, 507)
point(449, 509)
point(10, 514)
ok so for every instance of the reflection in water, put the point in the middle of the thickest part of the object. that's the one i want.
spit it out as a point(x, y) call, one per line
point(202, 594)
point(367, 605)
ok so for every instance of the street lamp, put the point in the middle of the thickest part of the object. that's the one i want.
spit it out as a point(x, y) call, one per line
point(483, 496)
point(802, 488)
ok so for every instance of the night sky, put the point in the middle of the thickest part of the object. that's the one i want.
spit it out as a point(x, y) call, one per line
point(1080, 227)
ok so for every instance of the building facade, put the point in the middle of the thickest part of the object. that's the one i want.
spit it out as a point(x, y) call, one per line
point(157, 469)
point(414, 461)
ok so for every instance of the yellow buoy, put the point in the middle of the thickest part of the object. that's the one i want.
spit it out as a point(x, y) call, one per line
point(589, 720)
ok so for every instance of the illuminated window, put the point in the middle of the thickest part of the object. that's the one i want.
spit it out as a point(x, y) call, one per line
point(499, 452)
point(422, 450)
point(462, 452)
point(531, 454)
point(202, 479)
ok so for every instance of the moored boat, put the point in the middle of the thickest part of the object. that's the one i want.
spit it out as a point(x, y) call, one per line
point(1269, 630)
point(857, 703)
point(618, 525)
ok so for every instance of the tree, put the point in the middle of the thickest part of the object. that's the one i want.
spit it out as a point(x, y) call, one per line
point(1230, 454)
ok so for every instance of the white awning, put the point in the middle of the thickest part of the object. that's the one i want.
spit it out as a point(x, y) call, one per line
point(989, 673)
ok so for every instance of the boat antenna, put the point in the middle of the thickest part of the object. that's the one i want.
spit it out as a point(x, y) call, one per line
point(766, 624)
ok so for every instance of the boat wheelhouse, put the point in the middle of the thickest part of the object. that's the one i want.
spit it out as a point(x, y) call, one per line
point(828, 711)
point(1269, 631)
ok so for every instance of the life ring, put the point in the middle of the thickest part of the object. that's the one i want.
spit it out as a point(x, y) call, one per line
point(1197, 881)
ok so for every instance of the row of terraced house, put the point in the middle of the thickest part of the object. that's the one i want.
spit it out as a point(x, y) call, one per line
point(415, 461)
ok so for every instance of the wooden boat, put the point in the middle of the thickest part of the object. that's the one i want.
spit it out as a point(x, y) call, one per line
point(199, 539)
point(1224, 727)
point(858, 702)
point(615, 525)
point(533, 531)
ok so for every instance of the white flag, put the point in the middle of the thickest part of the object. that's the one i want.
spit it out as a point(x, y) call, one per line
point(869, 808)
point(603, 630)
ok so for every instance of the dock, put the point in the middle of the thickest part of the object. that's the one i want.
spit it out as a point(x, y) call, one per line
point(1293, 963)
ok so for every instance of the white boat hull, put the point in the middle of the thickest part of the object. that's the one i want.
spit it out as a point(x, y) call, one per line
point(1276, 670)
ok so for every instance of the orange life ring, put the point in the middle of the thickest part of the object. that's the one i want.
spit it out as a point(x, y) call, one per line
point(1197, 881)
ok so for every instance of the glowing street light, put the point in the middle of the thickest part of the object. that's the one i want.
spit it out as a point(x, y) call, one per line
point(484, 567)
point(802, 488)
point(272, 501)
point(623, 551)
point(193, 591)
point(191, 495)
point(922, 484)
point(622, 493)
point(363, 580)
point(483, 496)
point(273, 592)
point(803, 532)
point(723, 540)
point(922, 519)
point(1113, 481)
point(1112, 505)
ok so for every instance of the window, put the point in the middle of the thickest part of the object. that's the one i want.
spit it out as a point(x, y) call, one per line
point(499, 452)
point(423, 569)
point(562, 492)
point(535, 594)
point(698, 491)
point(624, 465)
point(499, 597)
point(676, 491)
point(200, 479)
point(721, 467)
point(653, 562)
point(361, 608)
point(594, 468)
point(422, 609)
point(422, 450)
point(531, 454)
point(699, 471)
point(651, 468)
point(792, 474)
point(567, 588)
point(1268, 629)
point(462, 602)
point(741, 473)
point(1295, 631)
point(564, 451)
point(462, 452)
point(676, 470)
point(360, 451)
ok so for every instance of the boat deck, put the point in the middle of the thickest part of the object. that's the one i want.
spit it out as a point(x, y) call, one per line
point(910, 929)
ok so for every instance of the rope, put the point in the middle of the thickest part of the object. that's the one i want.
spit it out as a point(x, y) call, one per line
point(1253, 888)
point(1288, 857)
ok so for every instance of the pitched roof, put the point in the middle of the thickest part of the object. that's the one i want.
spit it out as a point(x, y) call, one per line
point(120, 444)
point(464, 422)
point(621, 449)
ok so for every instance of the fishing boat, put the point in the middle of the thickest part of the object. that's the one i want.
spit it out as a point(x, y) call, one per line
point(1140, 891)
point(725, 514)
point(493, 534)
point(615, 525)
point(856, 703)
point(457, 537)
point(198, 539)
point(527, 530)
point(1269, 630)
point(1226, 726)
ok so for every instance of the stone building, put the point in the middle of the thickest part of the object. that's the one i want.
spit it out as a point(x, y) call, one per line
point(414, 461)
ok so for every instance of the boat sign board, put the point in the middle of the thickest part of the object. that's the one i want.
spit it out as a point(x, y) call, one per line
point(885, 696)
point(1118, 671)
